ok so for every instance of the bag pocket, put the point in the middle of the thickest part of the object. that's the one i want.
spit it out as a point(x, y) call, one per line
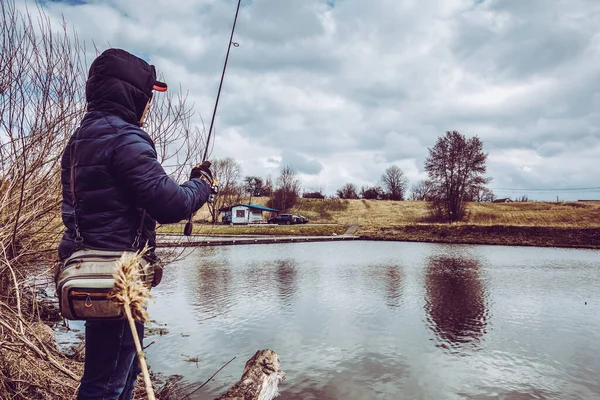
point(93, 304)
point(85, 281)
point(85, 297)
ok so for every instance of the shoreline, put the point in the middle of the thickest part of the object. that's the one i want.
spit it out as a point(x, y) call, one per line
point(530, 236)
point(502, 235)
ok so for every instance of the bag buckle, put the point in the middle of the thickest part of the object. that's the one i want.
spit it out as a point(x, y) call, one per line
point(88, 301)
point(136, 242)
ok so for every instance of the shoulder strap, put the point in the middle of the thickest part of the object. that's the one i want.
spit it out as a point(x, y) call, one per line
point(138, 236)
point(78, 237)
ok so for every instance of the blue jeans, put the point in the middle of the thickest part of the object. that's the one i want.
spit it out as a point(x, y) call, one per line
point(111, 365)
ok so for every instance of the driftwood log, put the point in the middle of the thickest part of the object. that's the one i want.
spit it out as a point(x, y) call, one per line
point(260, 378)
point(259, 381)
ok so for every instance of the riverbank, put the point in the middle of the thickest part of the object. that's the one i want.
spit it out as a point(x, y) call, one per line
point(544, 224)
point(566, 237)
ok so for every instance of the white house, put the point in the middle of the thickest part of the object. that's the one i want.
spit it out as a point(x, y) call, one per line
point(244, 213)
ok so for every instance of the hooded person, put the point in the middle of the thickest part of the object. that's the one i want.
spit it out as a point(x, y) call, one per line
point(114, 192)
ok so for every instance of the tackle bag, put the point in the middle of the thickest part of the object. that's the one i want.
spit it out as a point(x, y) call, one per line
point(84, 282)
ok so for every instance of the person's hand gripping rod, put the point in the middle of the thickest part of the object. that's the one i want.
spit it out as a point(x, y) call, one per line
point(202, 171)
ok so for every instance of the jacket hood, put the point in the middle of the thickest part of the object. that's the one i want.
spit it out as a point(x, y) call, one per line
point(120, 84)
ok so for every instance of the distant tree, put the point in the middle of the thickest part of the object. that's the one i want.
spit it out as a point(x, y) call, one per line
point(372, 193)
point(394, 182)
point(268, 187)
point(348, 191)
point(288, 188)
point(522, 199)
point(253, 186)
point(228, 173)
point(313, 195)
point(422, 191)
point(455, 165)
point(481, 194)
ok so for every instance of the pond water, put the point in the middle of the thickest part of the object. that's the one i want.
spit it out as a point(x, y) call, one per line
point(386, 320)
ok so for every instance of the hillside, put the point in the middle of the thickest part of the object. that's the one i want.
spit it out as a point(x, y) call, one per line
point(374, 213)
point(377, 213)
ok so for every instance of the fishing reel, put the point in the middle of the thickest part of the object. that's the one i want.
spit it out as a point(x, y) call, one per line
point(214, 190)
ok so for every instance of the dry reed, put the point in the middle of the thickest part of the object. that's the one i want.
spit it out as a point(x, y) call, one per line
point(131, 292)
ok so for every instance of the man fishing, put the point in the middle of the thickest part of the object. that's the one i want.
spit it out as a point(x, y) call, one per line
point(114, 191)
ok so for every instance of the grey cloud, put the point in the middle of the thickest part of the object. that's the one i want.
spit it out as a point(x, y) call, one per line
point(300, 163)
point(529, 39)
point(550, 149)
point(280, 22)
point(328, 86)
point(400, 146)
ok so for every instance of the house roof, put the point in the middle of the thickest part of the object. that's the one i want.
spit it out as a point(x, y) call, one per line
point(252, 206)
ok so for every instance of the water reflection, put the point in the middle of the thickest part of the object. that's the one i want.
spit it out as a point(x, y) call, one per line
point(366, 375)
point(258, 279)
point(213, 281)
point(286, 275)
point(388, 279)
point(456, 301)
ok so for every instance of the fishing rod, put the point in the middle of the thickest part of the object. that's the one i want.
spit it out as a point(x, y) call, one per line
point(215, 184)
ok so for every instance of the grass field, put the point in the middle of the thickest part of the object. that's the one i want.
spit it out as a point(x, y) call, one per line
point(570, 224)
point(374, 213)
point(377, 213)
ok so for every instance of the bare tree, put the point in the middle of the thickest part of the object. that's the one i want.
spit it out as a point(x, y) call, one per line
point(456, 166)
point(422, 191)
point(253, 186)
point(179, 145)
point(228, 173)
point(482, 194)
point(268, 187)
point(348, 191)
point(522, 199)
point(394, 182)
point(288, 189)
point(42, 74)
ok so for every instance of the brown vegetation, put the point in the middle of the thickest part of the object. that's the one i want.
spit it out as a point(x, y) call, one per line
point(568, 224)
point(490, 234)
point(274, 230)
point(376, 213)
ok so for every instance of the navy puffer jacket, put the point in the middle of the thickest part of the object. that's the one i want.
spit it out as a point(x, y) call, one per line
point(116, 171)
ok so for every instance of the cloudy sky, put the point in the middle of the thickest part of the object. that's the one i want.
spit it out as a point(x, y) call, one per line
point(342, 89)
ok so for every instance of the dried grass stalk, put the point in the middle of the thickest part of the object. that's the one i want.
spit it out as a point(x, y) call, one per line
point(130, 290)
point(133, 294)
